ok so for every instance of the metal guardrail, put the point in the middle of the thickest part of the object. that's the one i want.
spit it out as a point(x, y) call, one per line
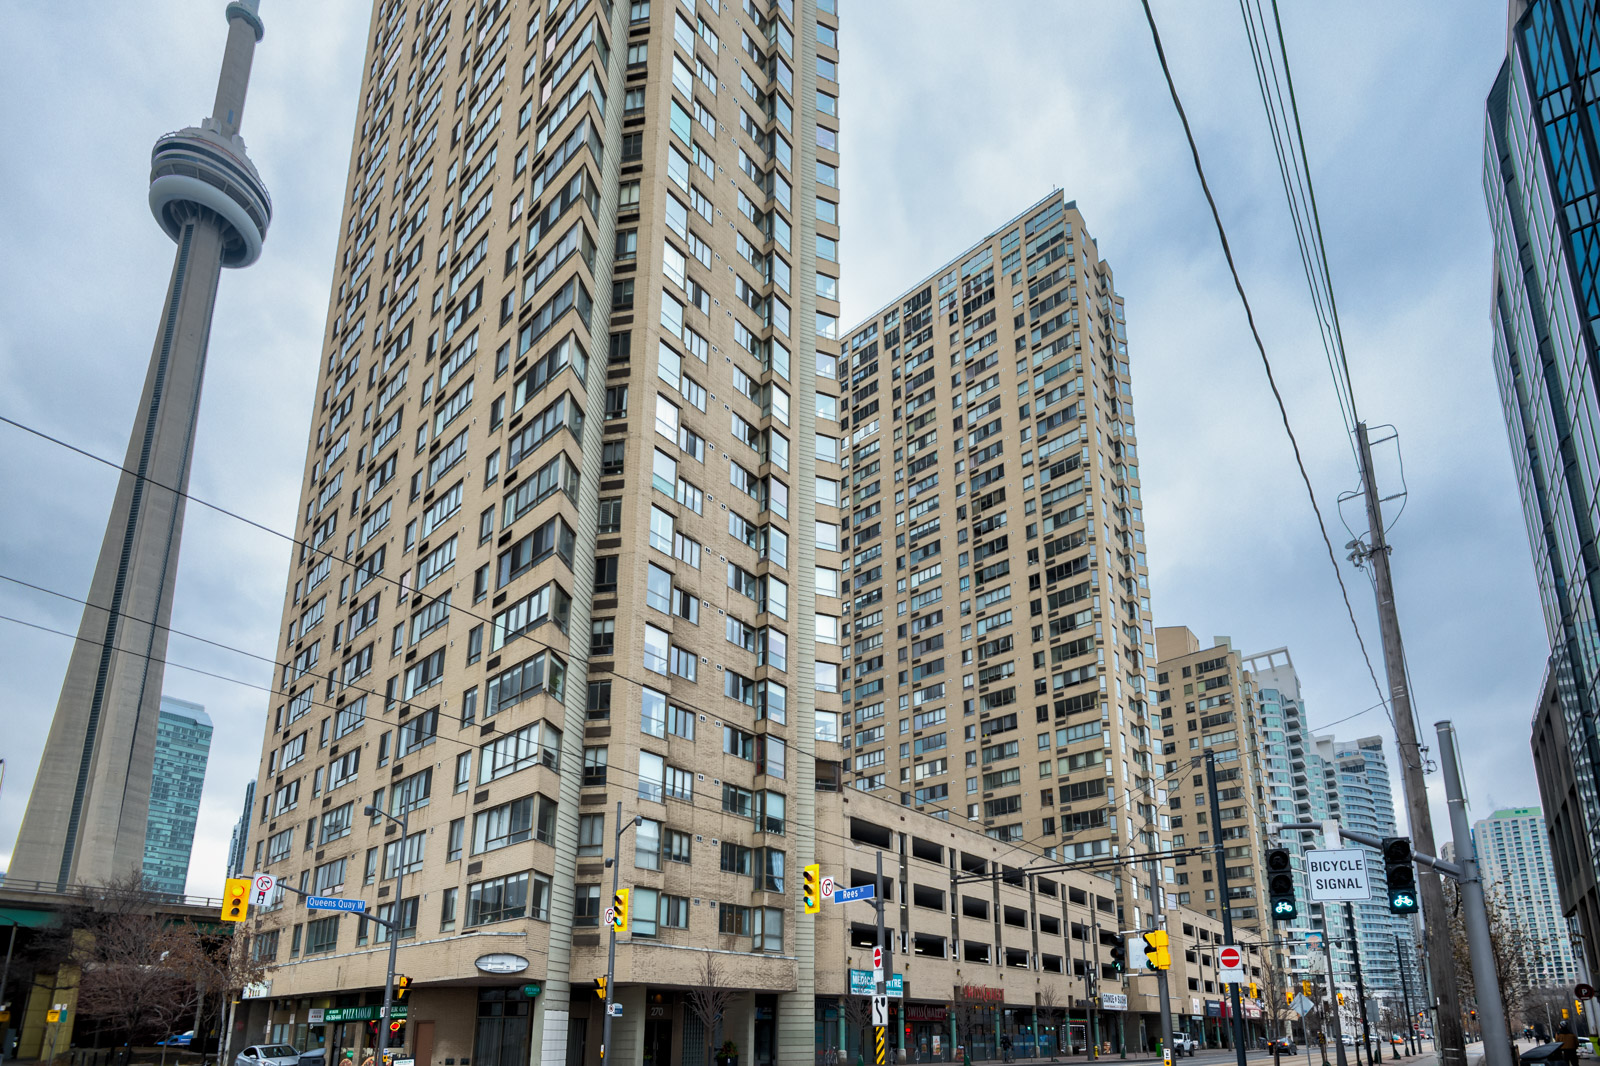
point(52, 888)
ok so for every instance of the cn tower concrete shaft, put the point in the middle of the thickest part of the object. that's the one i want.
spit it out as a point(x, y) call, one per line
point(85, 822)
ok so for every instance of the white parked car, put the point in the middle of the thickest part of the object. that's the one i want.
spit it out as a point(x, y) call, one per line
point(268, 1055)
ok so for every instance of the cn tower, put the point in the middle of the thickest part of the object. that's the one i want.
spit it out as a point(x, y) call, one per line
point(85, 822)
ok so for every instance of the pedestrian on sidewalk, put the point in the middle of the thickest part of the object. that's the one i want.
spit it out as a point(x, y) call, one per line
point(1569, 1043)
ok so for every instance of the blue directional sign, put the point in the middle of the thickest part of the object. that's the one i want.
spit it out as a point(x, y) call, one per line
point(336, 903)
point(850, 895)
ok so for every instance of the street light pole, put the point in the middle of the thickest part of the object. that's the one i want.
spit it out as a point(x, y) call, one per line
point(611, 948)
point(395, 926)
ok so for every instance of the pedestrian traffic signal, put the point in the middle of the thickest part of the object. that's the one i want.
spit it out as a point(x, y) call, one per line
point(1280, 885)
point(619, 910)
point(600, 987)
point(1119, 955)
point(1400, 875)
point(1156, 955)
point(402, 985)
point(811, 888)
point(235, 899)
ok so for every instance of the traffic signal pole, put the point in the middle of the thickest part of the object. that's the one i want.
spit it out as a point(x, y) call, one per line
point(1448, 1034)
point(611, 946)
point(1361, 987)
point(1223, 903)
point(1157, 921)
point(1475, 916)
point(1405, 998)
point(1333, 992)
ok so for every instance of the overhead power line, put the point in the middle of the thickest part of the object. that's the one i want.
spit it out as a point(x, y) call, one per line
point(1266, 362)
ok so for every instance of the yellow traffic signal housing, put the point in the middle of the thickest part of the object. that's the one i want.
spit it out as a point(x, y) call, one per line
point(1341, 999)
point(1288, 996)
point(1305, 986)
point(1156, 955)
point(402, 985)
point(811, 888)
point(1255, 990)
point(235, 899)
point(600, 987)
point(619, 910)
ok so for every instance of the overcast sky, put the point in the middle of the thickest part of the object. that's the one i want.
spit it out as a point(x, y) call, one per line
point(955, 117)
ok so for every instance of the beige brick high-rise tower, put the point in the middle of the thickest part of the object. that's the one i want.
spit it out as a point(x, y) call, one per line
point(1000, 652)
point(560, 514)
point(1207, 703)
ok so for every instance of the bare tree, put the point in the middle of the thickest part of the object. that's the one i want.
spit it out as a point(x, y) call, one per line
point(144, 974)
point(1513, 945)
point(709, 1001)
point(858, 1020)
point(1054, 1014)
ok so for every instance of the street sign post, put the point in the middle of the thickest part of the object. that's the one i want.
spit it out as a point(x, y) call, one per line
point(880, 1010)
point(1230, 965)
point(264, 884)
point(827, 888)
point(1336, 875)
point(336, 903)
point(851, 895)
point(1303, 1006)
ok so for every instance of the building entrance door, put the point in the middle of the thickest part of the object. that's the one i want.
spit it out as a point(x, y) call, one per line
point(658, 1042)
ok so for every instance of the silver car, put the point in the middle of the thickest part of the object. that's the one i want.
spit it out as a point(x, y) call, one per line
point(268, 1055)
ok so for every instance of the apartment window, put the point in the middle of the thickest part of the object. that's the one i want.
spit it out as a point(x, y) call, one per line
point(586, 906)
point(499, 899)
point(591, 834)
point(647, 845)
point(447, 910)
point(458, 832)
point(603, 636)
point(594, 766)
point(621, 296)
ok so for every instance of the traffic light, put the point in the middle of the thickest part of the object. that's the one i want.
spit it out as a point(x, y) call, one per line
point(1288, 996)
point(1255, 990)
point(1119, 955)
point(1280, 885)
point(402, 985)
point(1400, 874)
point(1305, 986)
point(619, 910)
point(1156, 955)
point(600, 987)
point(235, 899)
point(811, 888)
point(1341, 999)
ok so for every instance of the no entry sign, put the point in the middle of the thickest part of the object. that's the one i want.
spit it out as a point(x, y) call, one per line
point(1230, 965)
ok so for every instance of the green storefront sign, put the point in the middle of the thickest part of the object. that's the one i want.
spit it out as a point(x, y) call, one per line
point(360, 1014)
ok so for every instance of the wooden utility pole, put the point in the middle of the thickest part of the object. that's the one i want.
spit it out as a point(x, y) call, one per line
point(1449, 1038)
